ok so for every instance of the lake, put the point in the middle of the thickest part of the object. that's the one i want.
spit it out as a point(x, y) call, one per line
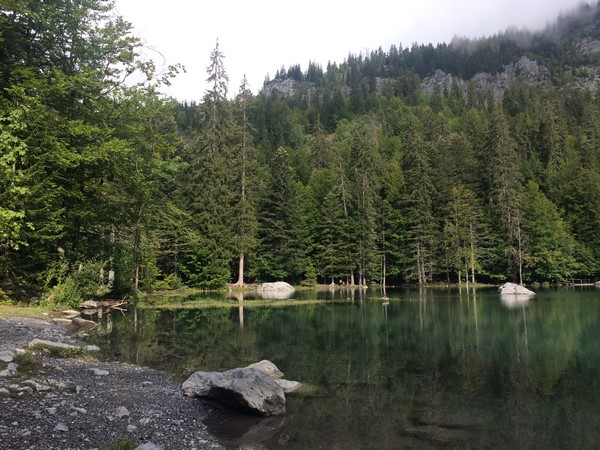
point(431, 368)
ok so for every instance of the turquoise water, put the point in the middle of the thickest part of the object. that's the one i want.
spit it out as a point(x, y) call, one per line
point(430, 369)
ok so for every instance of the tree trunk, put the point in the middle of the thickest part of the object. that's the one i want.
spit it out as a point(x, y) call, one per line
point(240, 281)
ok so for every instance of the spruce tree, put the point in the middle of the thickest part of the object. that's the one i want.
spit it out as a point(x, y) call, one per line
point(506, 188)
point(211, 188)
point(421, 227)
point(365, 169)
point(281, 251)
point(245, 218)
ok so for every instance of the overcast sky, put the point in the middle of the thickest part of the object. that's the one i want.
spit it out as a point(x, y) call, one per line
point(258, 37)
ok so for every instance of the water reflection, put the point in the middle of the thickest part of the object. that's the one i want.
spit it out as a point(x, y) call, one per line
point(514, 301)
point(431, 368)
point(238, 430)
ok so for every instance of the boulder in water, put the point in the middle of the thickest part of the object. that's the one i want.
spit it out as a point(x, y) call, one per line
point(514, 289)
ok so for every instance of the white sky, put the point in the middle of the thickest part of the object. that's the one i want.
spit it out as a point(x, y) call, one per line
point(258, 37)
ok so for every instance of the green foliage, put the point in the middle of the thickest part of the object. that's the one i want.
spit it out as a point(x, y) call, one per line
point(4, 296)
point(550, 254)
point(58, 352)
point(85, 282)
point(168, 283)
point(66, 293)
point(29, 363)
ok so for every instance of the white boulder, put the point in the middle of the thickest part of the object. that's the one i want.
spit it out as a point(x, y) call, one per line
point(514, 289)
point(278, 290)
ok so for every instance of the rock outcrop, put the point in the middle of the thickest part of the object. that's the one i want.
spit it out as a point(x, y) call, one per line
point(514, 289)
point(524, 69)
point(255, 389)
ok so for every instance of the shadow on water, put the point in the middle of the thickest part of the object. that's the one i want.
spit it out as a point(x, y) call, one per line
point(426, 368)
point(235, 430)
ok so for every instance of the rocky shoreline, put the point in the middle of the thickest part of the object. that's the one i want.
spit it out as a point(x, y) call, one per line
point(50, 402)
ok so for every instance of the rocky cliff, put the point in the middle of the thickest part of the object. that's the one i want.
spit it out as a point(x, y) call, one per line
point(524, 69)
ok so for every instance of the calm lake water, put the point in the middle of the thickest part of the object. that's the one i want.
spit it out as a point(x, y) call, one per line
point(433, 368)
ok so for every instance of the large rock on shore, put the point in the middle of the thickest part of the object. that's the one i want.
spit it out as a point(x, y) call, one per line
point(246, 389)
point(257, 388)
point(277, 290)
point(514, 289)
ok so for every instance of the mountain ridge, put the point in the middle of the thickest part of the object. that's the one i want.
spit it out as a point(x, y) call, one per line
point(567, 51)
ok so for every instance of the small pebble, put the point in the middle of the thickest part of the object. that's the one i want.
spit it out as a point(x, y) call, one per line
point(61, 427)
point(121, 412)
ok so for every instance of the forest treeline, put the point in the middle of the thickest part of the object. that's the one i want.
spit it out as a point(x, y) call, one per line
point(108, 187)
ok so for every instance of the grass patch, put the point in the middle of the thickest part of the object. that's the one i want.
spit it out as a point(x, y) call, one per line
point(127, 443)
point(23, 310)
point(225, 303)
point(58, 352)
point(28, 363)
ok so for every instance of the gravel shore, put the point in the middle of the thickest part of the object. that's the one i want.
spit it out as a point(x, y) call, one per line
point(65, 403)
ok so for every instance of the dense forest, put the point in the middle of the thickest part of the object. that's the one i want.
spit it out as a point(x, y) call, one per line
point(357, 175)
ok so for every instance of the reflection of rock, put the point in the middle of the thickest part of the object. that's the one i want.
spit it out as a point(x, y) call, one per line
point(514, 301)
point(514, 289)
point(243, 430)
point(277, 290)
point(83, 324)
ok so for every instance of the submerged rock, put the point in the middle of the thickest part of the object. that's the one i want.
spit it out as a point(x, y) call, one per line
point(267, 367)
point(514, 289)
point(288, 386)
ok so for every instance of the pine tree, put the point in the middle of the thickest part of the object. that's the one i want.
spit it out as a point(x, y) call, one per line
point(364, 170)
point(464, 232)
point(421, 232)
point(245, 222)
point(211, 188)
point(551, 247)
point(506, 186)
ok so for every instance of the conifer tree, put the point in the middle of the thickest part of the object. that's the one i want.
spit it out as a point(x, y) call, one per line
point(365, 174)
point(505, 177)
point(245, 219)
point(281, 251)
point(464, 232)
point(211, 189)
